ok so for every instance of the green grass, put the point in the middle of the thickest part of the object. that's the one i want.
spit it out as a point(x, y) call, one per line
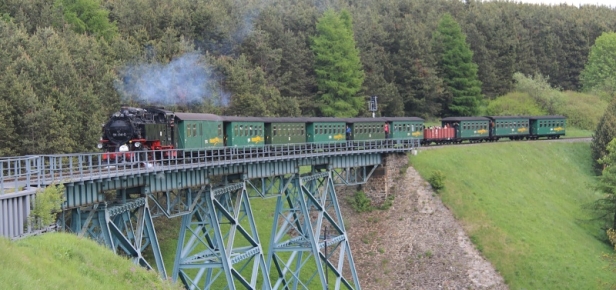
point(520, 203)
point(575, 132)
point(65, 261)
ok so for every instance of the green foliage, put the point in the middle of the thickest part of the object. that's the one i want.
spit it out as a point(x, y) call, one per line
point(251, 93)
point(46, 204)
point(455, 63)
point(360, 202)
point(337, 65)
point(514, 104)
point(600, 71)
point(57, 90)
point(518, 200)
point(549, 99)
point(56, 82)
point(605, 133)
point(88, 16)
point(437, 180)
point(582, 110)
point(389, 201)
point(605, 207)
point(5, 17)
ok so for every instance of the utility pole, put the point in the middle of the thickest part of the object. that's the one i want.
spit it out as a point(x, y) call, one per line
point(372, 105)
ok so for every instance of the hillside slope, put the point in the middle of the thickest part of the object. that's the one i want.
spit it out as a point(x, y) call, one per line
point(65, 261)
point(520, 203)
point(415, 244)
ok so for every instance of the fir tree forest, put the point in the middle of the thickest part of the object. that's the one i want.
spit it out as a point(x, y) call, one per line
point(68, 64)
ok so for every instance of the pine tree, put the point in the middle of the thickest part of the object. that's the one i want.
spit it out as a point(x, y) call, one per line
point(605, 207)
point(605, 132)
point(337, 65)
point(456, 68)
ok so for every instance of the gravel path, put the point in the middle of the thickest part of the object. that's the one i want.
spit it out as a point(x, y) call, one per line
point(416, 244)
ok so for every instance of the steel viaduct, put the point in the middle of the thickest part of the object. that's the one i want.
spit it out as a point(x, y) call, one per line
point(218, 245)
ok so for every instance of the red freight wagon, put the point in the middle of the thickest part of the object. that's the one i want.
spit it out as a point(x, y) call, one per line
point(439, 135)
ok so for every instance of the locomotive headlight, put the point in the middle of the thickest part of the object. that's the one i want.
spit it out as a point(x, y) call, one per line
point(124, 148)
point(137, 144)
point(99, 146)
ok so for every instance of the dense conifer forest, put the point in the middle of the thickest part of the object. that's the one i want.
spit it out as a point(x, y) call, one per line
point(68, 64)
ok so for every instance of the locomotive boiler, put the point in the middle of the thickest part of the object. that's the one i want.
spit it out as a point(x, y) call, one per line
point(133, 130)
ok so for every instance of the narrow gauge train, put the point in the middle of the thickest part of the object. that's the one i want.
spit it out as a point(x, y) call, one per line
point(146, 130)
point(133, 131)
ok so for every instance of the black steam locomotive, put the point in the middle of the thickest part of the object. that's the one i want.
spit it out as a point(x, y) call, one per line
point(137, 129)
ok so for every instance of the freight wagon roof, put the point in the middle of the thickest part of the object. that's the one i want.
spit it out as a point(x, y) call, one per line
point(197, 117)
point(449, 119)
point(507, 117)
point(402, 119)
point(547, 117)
point(284, 120)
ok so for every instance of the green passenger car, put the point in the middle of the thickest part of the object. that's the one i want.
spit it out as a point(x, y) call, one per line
point(469, 128)
point(197, 131)
point(325, 130)
point(406, 127)
point(244, 131)
point(547, 126)
point(512, 127)
point(285, 130)
point(367, 128)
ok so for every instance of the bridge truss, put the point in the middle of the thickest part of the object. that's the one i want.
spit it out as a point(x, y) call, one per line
point(218, 245)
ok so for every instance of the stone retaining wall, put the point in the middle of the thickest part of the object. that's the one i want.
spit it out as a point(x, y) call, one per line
point(383, 181)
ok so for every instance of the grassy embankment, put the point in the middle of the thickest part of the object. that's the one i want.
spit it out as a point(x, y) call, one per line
point(520, 202)
point(65, 261)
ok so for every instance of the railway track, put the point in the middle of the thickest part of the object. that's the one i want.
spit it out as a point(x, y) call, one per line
point(570, 140)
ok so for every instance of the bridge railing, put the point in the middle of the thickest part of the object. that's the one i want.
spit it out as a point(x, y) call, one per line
point(36, 171)
point(16, 173)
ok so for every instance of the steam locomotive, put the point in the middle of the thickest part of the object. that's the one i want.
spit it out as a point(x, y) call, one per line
point(147, 130)
point(132, 130)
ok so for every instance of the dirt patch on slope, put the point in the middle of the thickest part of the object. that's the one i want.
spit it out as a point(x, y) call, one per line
point(415, 244)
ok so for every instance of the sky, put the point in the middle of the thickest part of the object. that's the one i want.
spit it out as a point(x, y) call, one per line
point(611, 3)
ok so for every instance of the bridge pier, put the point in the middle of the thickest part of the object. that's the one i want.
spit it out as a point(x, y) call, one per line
point(378, 187)
point(127, 227)
point(218, 243)
point(308, 221)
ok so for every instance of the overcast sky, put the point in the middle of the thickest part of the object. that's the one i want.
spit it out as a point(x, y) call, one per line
point(611, 3)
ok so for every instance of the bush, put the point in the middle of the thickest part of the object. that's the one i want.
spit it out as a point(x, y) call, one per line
point(537, 87)
point(360, 202)
point(514, 104)
point(437, 180)
point(583, 111)
point(389, 201)
point(47, 202)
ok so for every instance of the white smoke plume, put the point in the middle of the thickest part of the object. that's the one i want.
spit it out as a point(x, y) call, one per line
point(184, 81)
